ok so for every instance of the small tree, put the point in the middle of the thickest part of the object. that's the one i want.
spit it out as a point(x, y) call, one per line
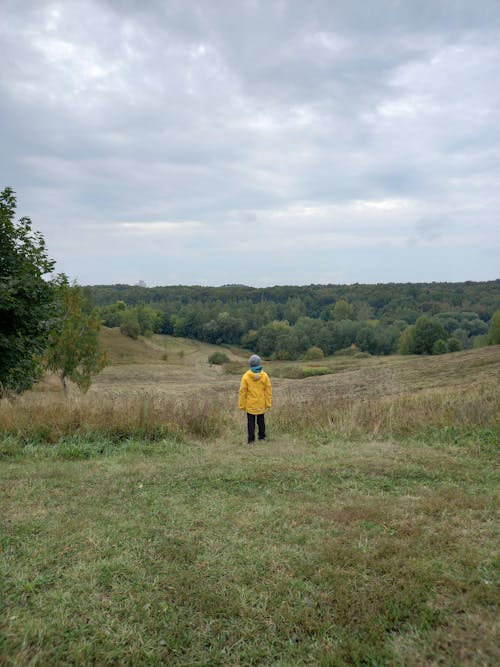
point(427, 332)
point(73, 349)
point(26, 299)
point(407, 340)
point(454, 345)
point(494, 330)
point(129, 325)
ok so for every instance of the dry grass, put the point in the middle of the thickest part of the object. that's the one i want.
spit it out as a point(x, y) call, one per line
point(390, 397)
point(464, 408)
point(117, 416)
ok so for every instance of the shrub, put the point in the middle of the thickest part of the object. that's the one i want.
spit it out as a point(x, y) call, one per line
point(454, 345)
point(130, 327)
point(347, 351)
point(311, 371)
point(314, 353)
point(218, 358)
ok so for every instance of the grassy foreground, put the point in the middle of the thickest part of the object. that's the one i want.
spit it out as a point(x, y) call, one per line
point(137, 529)
point(303, 551)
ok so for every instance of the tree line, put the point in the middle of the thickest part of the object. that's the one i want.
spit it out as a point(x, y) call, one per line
point(286, 322)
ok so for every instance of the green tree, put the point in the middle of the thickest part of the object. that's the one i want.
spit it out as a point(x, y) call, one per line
point(454, 345)
point(440, 347)
point(73, 350)
point(26, 298)
point(427, 332)
point(149, 319)
point(248, 340)
point(111, 316)
point(494, 330)
point(407, 341)
point(342, 310)
point(129, 324)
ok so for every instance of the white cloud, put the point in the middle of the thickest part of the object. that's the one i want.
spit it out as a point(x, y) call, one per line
point(326, 135)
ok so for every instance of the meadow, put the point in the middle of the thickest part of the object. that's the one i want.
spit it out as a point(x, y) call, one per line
point(139, 528)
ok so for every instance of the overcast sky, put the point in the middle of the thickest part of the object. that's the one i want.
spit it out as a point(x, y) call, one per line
point(256, 141)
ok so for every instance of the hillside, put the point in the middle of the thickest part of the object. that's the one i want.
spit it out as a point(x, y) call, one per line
point(137, 527)
point(174, 365)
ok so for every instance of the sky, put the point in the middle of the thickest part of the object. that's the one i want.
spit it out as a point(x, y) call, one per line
point(257, 142)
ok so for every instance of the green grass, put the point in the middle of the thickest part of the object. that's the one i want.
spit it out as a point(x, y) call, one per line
point(306, 551)
point(298, 372)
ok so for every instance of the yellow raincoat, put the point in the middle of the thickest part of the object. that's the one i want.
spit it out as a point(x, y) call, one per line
point(256, 393)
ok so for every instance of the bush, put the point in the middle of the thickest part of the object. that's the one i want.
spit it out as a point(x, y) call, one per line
point(314, 353)
point(218, 358)
point(454, 345)
point(350, 351)
point(312, 371)
point(300, 372)
point(130, 327)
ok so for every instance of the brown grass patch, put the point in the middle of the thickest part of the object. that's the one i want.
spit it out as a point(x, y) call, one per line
point(143, 392)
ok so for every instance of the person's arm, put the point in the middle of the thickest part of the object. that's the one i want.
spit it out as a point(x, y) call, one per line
point(242, 399)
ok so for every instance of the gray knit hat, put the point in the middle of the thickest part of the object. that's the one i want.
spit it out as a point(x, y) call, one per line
point(254, 360)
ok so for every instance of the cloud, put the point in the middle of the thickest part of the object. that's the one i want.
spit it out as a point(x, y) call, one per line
point(287, 125)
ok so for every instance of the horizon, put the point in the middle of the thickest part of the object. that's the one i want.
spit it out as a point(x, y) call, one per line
point(227, 285)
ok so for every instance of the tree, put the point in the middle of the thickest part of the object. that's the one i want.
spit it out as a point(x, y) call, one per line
point(129, 324)
point(427, 332)
point(454, 345)
point(494, 331)
point(342, 310)
point(407, 341)
point(111, 315)
point(149, 319)
point(26, 298)
point(440, 347)
point(73, 350)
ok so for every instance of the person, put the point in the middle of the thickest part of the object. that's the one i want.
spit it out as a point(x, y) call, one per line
point(255, 397)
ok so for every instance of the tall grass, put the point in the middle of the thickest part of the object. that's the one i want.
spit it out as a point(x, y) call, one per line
point(401, 415)
point(148, 416)
point(50, 417)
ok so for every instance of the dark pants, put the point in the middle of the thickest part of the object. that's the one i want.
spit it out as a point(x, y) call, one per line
point(251, 427)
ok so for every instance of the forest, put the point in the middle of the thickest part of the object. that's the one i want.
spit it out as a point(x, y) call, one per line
point(292, 322)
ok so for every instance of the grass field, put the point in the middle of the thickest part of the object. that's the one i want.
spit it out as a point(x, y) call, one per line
point(138, 528)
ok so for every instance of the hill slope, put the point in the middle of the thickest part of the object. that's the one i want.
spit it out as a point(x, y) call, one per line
point(177, 365)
